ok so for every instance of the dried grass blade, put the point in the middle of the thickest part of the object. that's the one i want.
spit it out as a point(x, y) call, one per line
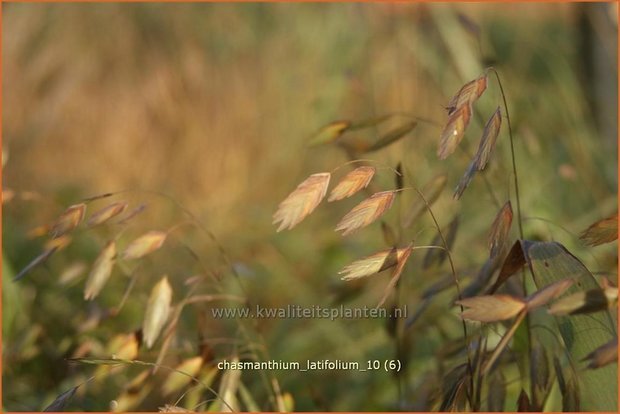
point(68, 220)
point(498, 236)
point(145, 244)
point(491, 308)
point(101, 271)
point(157, 311)
point(353, 182)
point(106, 213)
point(366, 212)
point(301, 202)
point(489, 138)
point(512, 264)
point(603, 231)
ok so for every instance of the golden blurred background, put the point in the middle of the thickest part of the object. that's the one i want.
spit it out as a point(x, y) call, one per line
point(214, 104)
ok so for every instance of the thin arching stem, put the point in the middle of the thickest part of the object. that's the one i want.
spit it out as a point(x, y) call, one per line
point(458, 291)
point(512, 152)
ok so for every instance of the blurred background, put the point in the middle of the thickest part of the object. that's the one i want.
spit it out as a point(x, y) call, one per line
point(213, 105)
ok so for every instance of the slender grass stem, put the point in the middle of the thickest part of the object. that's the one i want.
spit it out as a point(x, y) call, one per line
point(458, 291)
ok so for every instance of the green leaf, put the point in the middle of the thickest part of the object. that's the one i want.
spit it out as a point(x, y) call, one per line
point(551, 262)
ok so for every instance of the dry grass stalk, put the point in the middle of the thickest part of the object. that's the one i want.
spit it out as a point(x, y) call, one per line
point(431, 190)
point(68, 220)
point(491, 308)
point(498, 236)
point(145, 244)
point(106, 213)
point(301, 202)
point(353, 182)
point(101, 271)
point(366, 212)
point(157, 311)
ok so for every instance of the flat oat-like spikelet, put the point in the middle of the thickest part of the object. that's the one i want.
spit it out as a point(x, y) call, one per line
point(101, 271)
point(301, 202)
point(353, 182)
point(106, 213)
point(465, 180)
point(402, 255)
point(491, 308)
point(157, 311)
point(487, 142)
point(366, 212)
point(469, 93)
point(454, 131)
point(371, 264)
point(68, 220)
point(603, 231)
point(145, 244)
